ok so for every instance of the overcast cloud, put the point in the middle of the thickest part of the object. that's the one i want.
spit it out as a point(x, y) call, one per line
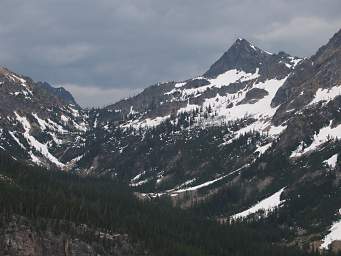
point(104, 50)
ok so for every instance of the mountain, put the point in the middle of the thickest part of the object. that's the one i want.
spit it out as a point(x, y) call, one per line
point(255, 139)
point(192, 113)
point(39, 123)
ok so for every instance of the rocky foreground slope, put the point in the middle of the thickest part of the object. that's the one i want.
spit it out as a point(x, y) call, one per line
point(20, 236)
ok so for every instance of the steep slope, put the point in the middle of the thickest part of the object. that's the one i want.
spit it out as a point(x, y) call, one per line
point(39, 123)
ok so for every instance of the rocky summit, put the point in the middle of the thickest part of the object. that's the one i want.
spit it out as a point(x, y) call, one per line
point(255, 139)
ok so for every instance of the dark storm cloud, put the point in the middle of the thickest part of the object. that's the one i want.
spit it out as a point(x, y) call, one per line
point(112, 46)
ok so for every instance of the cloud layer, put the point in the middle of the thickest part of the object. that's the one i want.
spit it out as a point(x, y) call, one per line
point(111, 45)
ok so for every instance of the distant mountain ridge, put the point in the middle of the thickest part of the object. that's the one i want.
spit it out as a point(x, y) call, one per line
point(60, 92)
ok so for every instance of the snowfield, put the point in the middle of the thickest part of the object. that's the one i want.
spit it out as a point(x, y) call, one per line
point(260, 110)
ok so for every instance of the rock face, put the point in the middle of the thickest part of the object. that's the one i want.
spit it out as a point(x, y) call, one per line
point(254, 95)
point(20, 237)
point(244, 56)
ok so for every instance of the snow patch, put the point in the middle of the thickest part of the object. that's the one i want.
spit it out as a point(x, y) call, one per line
point(293, 62)
point(40, 121)
point(225, 79)
point(334, 235)
point(23, 82)
point(74, 112)
point(75, 160)
point(146, 123)
point(178, 85)
point(262, 149)
point(176, 191)
point(267, 205)
point(331, 162)
point(42, 148)
point(64, 118)
point(132, 111)
point(137, 177)
point(140, 182)
point(188, 108)
point(17, 140)
point(326, 95)
point(324, 135)
point(80, 126)
point(232, 76)
point(205, 184)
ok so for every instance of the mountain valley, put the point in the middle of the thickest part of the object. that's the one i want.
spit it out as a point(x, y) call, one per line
point(253, 142)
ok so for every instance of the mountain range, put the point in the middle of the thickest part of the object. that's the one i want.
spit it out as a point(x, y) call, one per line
point(255, 139)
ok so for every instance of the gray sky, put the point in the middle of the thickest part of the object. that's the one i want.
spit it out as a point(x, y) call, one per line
point(104, 50)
